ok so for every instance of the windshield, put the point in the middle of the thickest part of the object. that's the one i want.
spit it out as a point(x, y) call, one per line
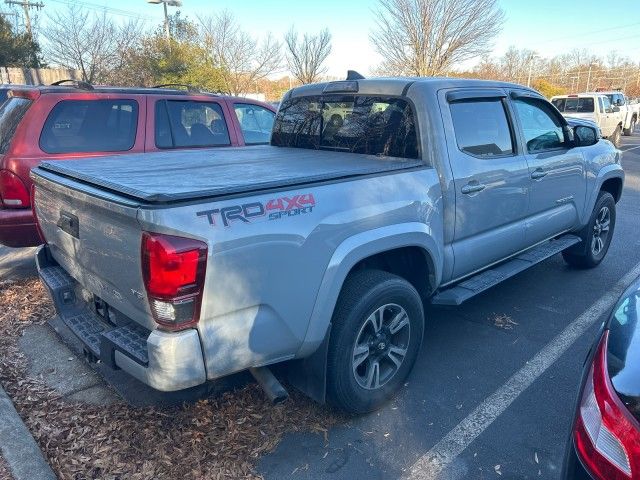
point(575, 104)
point(350, 123)
point(11, 112)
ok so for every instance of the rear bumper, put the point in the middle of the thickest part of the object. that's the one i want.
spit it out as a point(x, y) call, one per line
point(166, 361)
point(18, 228)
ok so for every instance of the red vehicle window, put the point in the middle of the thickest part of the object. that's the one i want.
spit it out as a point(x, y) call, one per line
point(183, 124)
point(256, 123)
point(90, 126)
point(11, 113)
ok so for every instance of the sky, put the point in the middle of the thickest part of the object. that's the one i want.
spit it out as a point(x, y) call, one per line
point(549, 27)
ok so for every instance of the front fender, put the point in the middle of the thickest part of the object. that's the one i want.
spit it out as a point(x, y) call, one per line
point(351, 251)
point(613, 170)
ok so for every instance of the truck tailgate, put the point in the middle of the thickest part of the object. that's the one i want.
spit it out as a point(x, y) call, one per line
point(96, 242)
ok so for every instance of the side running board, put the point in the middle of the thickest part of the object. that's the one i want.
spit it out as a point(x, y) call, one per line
point(472, 286)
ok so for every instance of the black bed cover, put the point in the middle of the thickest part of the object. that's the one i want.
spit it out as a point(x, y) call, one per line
point(192, 174)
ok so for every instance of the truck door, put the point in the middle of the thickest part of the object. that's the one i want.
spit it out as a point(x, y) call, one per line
point(557, 171)
point(611, 118)
point(490, 178)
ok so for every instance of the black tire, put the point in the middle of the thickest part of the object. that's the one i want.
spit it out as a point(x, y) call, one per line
point(363, 294)
point(616, 136)
point(587, 257)
point(630, 130)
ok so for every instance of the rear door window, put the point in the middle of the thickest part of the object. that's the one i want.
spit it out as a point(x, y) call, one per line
point(348, 123)
point(255, 122)
point(90, 126)
point(186, 123)
point(11, 113)
point(481, 127)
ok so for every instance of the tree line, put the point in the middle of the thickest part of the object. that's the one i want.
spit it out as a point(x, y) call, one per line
point(412, 37)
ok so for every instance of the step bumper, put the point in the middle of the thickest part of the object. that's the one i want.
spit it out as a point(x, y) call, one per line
point(166, 361)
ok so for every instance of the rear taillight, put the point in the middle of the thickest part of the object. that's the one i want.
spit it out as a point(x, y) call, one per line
point(13, 192)
point(173, 269)
point(606, 436)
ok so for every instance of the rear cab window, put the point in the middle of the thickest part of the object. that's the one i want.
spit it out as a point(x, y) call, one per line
point(11, 113)
point(575, 104)
point(372, 125)
point(90, 126)
point(188, 123)
point(481, 127)
point(256, 123)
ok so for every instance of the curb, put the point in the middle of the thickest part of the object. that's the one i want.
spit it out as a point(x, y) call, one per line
point(18, 447)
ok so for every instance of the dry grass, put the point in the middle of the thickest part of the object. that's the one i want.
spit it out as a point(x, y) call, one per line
point(212, 439)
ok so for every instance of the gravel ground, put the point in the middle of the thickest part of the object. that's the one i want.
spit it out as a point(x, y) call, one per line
point(214, 438)
point(4, 470)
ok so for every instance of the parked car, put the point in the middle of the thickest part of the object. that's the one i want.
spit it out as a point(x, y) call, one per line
point(319, 250)
point(595, 107)
point(63, 122)
point(630, 112)
point(605, 436)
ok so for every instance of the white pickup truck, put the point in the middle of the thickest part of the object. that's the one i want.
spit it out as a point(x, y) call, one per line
point(629, 112)
point(596, 107)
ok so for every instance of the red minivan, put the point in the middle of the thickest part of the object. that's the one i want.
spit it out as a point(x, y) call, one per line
point(63, 122)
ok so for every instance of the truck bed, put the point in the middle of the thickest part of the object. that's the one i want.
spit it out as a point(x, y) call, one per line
point(165, 177)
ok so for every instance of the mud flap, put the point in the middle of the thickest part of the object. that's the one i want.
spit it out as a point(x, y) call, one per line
point(309, 375)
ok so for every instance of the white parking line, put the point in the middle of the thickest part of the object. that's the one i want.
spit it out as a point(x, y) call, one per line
point(632, 148)
point(430, 465)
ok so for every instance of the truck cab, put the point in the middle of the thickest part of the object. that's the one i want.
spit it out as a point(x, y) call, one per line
point(596, 107)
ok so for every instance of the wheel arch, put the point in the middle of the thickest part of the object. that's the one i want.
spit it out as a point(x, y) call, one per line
point(391, 249)
point(376, 248)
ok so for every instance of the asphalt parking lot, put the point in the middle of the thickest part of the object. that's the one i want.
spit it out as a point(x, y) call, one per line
point(492, 394)
point(487, 398)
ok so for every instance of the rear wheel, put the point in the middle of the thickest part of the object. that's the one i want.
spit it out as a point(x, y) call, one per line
point(631, 129)
point(615, 137)
point(596, 235)
point(375, 339)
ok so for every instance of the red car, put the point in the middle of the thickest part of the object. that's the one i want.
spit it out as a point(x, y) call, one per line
point(63, 122)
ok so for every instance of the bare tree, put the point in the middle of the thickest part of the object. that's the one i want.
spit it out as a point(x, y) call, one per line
point(93, 44)
point(428, 37)
point(242, 59)
point(305, 56)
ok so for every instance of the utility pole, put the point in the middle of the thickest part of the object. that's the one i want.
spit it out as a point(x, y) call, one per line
point(589, 77)
point(26, 5)
point(533, 57)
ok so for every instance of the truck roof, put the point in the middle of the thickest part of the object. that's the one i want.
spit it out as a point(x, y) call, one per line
point(400, 85)
point(201, 173)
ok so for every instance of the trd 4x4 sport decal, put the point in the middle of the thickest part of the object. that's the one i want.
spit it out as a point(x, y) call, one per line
point(275, 208)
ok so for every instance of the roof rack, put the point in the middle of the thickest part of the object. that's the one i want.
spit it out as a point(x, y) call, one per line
point(77, 83)
point(188, 88)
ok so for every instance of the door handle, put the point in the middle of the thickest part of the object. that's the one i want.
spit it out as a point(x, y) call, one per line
point(538, 173)
point(472, 188)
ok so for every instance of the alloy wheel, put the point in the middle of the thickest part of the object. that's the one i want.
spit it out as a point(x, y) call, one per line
point(600, 231)
point(381, 346)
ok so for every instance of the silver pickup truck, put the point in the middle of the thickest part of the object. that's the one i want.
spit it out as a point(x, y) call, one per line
point(320, 250)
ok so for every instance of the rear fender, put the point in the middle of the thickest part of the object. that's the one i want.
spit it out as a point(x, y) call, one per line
point(348, 254)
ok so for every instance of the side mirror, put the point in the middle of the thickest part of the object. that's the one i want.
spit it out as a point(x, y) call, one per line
point(616, 109)
point(585, 136)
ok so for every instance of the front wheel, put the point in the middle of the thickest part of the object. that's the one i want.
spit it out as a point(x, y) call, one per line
point(375, 339)
point(596, 235)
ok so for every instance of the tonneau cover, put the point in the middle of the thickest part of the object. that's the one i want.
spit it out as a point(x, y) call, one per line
point(191, 174)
